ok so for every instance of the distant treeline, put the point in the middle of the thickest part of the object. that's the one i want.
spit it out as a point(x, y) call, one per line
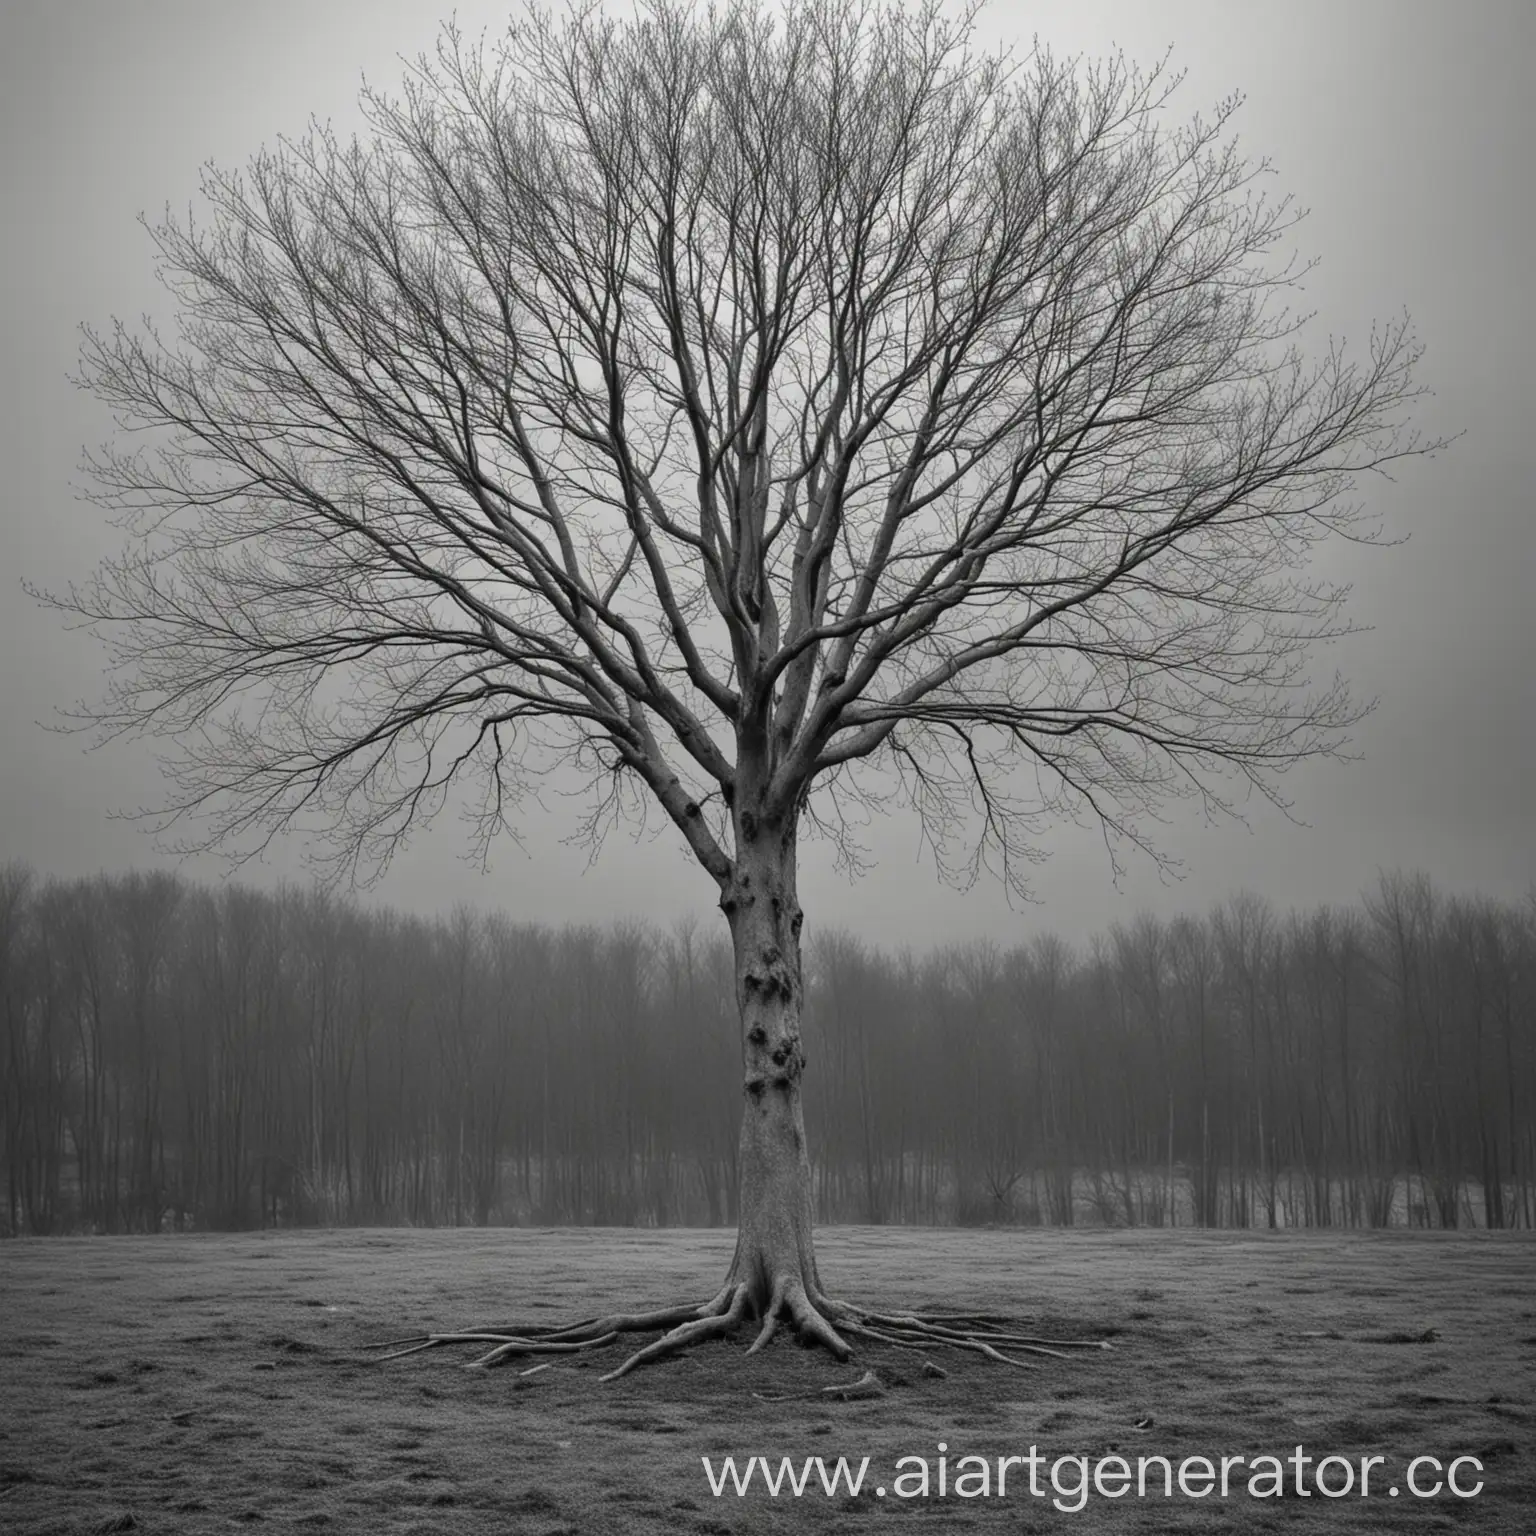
point(175, 1056)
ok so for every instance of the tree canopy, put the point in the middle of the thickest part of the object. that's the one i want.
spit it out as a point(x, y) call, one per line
point(798, 407)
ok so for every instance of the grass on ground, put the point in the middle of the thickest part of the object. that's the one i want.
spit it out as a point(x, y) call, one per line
point(194, 1384)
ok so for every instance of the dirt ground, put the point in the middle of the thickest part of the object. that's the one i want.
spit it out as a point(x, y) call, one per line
point(192, 1384)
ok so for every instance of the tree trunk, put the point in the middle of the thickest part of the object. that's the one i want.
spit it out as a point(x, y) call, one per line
point(775, 1257)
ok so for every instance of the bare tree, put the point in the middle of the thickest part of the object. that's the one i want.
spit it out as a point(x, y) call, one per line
point(773, 416)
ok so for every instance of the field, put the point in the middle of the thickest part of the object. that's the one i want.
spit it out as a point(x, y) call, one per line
point(192, 1384)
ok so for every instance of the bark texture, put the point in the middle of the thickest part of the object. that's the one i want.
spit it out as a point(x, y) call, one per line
point(775, 1249)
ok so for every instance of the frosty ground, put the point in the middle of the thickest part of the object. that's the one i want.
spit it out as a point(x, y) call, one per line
point(189, 1384)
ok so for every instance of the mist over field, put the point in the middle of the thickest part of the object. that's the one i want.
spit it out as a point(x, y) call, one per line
point(185, 1058)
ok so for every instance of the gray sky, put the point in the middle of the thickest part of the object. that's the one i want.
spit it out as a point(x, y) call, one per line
point(1404, 127)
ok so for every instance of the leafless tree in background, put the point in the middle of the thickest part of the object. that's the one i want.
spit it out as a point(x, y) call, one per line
point(773, 417)
point(536, 1081)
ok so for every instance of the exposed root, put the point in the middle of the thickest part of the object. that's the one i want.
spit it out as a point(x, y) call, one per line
point(537, 1347)
point(977, 1333)
point(868, 1385)
point(770, 1319)
point(685, 1334)
point(818, 1319)
point(813, 1324)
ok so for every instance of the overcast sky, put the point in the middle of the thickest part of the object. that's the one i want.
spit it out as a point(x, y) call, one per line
point(1404, 127)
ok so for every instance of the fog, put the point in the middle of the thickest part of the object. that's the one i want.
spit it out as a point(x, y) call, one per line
point(1402, 127)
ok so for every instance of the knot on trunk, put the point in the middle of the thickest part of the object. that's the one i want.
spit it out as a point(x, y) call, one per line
point(768, 987)
point(773, 1059)
point(788, 1061)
